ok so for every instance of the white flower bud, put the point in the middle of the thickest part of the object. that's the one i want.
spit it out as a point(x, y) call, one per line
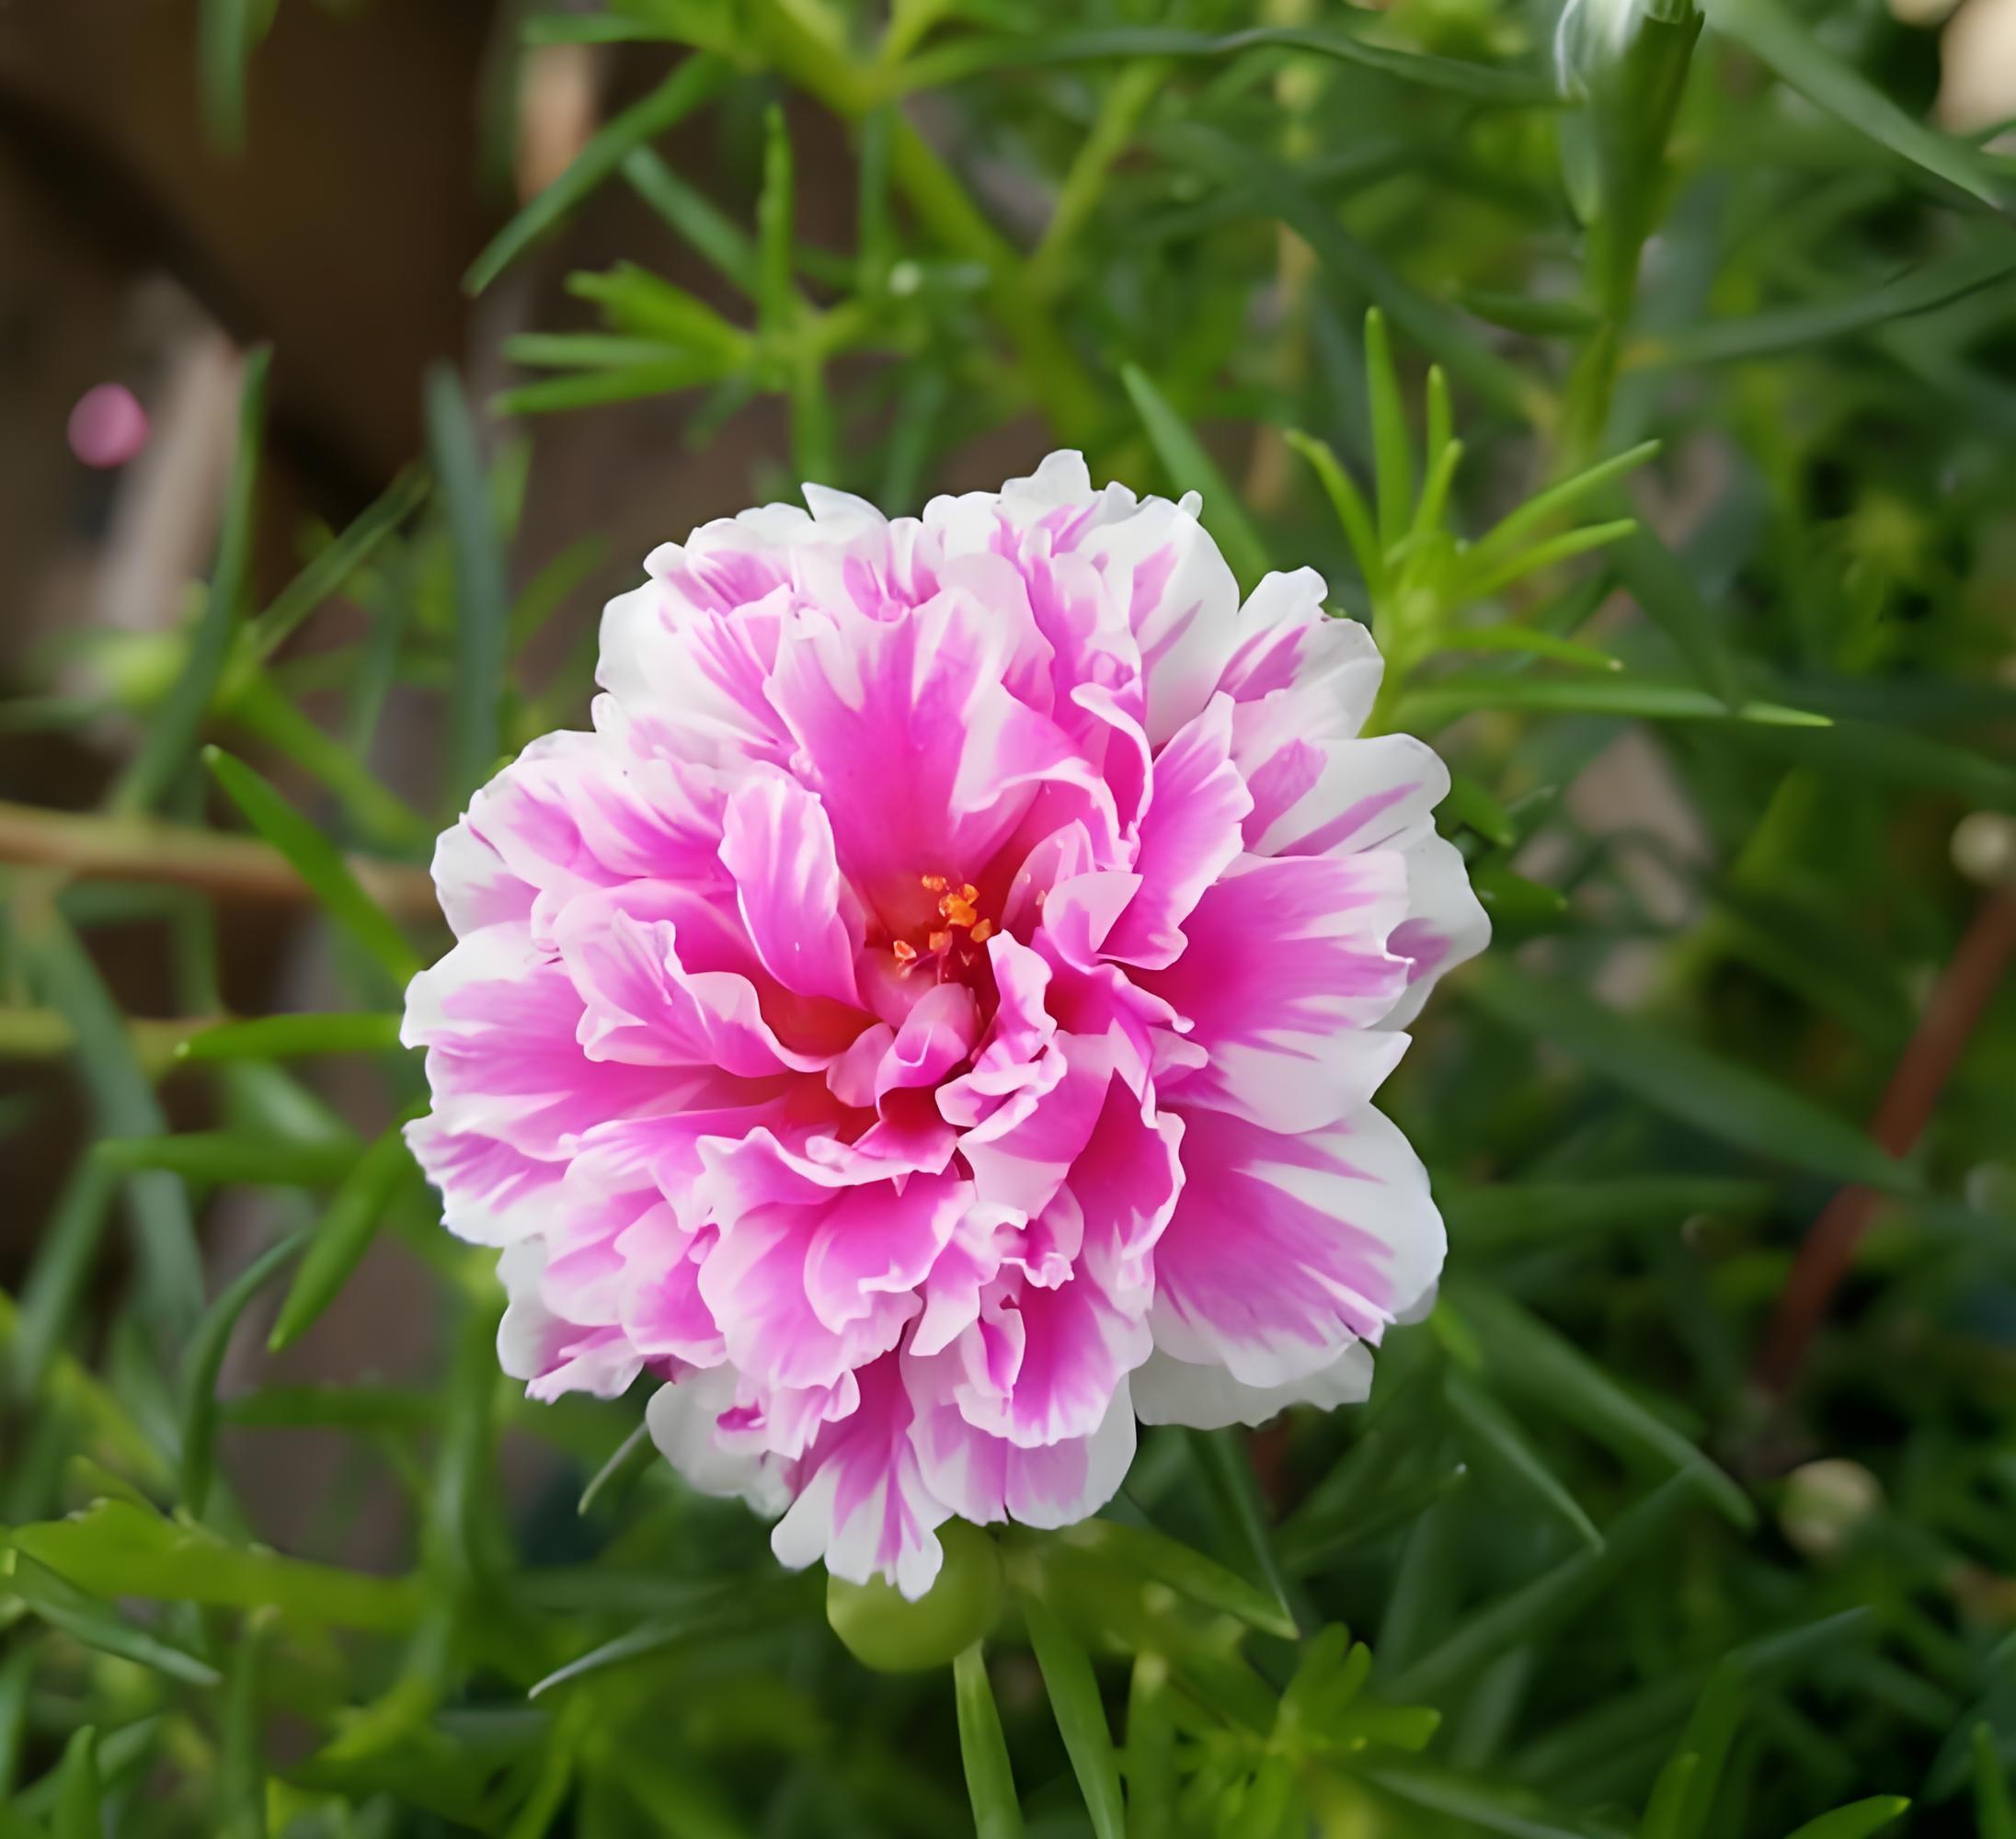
point(1594, 34)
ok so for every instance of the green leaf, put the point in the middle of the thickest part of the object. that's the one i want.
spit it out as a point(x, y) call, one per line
point(1392, 445)
point(1516, 529)
point(1192, 469)
point(171, 730)
point(624, 1460)
point(288, 1037)
point(1628, 697)
point(204, 1361)
point(1526, 1356)
point(1535, 315)
point(1857, 1819)
point(601, 351)
point(1993, 1810)
point(1511, 1213)
point(482, 605)
point(123, 1103)
point(1140, 1551)
point(1350, 506)
point(1496, 1438)
point(1685, 1794)
point(776, 293)
point(116, 1549)
point(1151, 1756)
point(1916, 290)
point(348, 1408)
point(1479, 82)
point(1081, 1719)
point(17, 1681)
point(1274, 189)
point(693, 83)
point(714, 1610)
point(714, 236)
point(241, 1773)
point(1483, 1806)
point(317, 862)
point(619, 383)
point(1660, 583)
point(647, 306)
point(79, 1813)
point(1227, 1470)
point(1523, 639)
point(1469, 802)
point(1548, 1600)
point(63, 1265)
point(335, 564)
point(1546, 554)
point(1883, 752)
point(1776, 35)
point(342, 1239)
point(1667, 1807)
point(101, 1625)
point(1320, 1538)
point(544, 595)
point(377, 811)
point(225, 34)
point(221, 1157)
point(1725, 1099)
point(983, 1752)
point(1518, 908)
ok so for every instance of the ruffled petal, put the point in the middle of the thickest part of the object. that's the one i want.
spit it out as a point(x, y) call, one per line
point(1283, 1249)
point(862, 1505)
point(1287, 969)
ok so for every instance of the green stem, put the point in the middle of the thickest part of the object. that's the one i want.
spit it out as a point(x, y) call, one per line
point(1633, 107)
point(1127, 99)
point(807, 45)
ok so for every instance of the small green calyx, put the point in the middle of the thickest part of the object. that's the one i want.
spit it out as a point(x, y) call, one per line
point(883, 1630)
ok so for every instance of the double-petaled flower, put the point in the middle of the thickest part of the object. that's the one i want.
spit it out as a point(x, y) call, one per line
point(931, 1022)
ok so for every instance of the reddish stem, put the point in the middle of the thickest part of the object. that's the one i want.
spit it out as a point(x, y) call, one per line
point(1961, 995)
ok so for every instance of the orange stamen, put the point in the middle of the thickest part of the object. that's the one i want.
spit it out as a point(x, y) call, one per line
point(933, 884)
point(983, 931)
point(905, 951)
point(939, 941)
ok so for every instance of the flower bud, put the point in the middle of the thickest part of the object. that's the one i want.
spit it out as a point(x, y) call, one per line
point(1594, 35)
point(883, 1631)
point(1823, 1503)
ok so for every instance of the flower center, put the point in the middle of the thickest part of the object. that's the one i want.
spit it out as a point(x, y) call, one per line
point(956, 943)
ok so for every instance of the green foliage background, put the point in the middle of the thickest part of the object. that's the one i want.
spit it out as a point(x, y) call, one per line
point(1682, 406)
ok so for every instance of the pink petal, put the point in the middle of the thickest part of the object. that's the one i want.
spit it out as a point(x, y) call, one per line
point(924, 760)
point(985, 1478)
point(1189, 837)
point(1355, 795)
point(1287, 966)
point(1181, 601)
point(1285, 1249)
point(863, 1505)
point(777, 842)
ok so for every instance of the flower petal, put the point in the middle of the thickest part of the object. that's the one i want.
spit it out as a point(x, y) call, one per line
point(1285, 1249)
point(1172, 1391)
point(863, 1505)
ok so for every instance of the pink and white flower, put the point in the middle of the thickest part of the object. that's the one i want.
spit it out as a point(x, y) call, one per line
point(931, 1022)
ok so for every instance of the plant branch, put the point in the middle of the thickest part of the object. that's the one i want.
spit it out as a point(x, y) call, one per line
point(1960, 999)
point(143, 848)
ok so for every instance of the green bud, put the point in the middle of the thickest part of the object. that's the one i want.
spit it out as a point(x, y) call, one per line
point(882, 1630)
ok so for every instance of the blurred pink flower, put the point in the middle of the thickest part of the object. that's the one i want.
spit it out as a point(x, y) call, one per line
point(107, 427)
point(931, 1022)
